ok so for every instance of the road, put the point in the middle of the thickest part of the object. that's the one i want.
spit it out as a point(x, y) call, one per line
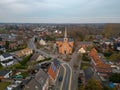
point(33, 47)
point(59, 83)
point(76, 71)
point(66, 84)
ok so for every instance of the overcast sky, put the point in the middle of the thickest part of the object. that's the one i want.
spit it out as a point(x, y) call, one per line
point(60, 11)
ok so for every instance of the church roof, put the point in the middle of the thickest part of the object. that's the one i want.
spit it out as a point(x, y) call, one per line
point(62, 39)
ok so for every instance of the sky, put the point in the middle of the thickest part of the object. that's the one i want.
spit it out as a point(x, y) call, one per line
point(60, 11)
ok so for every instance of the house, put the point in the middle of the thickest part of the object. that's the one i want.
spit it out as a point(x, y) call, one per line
point(6, 59)
point(108, 41)
point(65, 45)
point(39, 82)
point(99, 37)
point(5, 73)
point(53, 70)
point(24, 52)
point(2, 43)
point(13, 45)
point(37, 57)
point(42, 42)
point(116, 46)
point(82, 50)
point(14, 86)
point(2, 48)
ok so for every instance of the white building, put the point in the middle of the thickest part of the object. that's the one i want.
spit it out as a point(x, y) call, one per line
point(5, 73)
point(42, 42)
point(82, 50)
point(6, 60)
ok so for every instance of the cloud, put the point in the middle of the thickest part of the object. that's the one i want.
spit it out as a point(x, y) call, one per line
point(54, 10)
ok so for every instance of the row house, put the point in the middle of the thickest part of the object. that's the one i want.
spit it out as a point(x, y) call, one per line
point(86, 44)
point(24, 52)
point(101, 68)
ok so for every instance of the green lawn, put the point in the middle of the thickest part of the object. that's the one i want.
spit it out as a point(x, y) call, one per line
point(3, 85)
point(84, 66)
point(1, 67)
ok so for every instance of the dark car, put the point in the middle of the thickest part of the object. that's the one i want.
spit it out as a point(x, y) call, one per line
point(60, 78)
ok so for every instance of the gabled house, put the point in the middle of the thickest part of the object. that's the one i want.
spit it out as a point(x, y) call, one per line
point(42, 42)
point(5, 73)
point(6, 59)
point(36, 57)
point(53, 70)
point(81, 50)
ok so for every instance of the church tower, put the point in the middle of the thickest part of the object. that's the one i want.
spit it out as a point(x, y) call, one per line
point(65, 35)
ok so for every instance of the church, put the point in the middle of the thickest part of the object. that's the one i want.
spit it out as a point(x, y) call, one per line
point(65, 45)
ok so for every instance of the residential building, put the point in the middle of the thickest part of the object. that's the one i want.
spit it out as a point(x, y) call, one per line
point(6, 59)
point(24, 52)
point(101, 68)
point(86, 44)
point(2, 43)
point(82, 50)
point(13, 45)
point(2, 48)
point(39, 82)
point(65, 45)
point(14, 86)
point(5, 73)
point(42, 42)
point(53, 71)
point(36, 57)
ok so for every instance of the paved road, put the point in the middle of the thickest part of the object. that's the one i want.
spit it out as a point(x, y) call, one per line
point(33, 47)
point(67, 77)
point(59, 83)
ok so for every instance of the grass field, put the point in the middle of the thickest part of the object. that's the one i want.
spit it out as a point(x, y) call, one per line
point(3, 85)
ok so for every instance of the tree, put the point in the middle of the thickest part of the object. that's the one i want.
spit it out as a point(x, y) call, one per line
point(115, 78)
point(108, 88)
point(81, 87)
point(7, 44)
point(93, 85)
point(35, 40)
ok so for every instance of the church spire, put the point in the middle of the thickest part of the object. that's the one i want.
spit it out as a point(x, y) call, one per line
point(65, 36)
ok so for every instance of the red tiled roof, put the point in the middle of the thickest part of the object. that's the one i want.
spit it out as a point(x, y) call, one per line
point(100, 66)
point(51, 72)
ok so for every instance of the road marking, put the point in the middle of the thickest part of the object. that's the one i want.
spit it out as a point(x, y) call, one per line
point(63, 77)
point(70, 78)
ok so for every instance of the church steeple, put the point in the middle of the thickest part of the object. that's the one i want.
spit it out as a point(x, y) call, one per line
point(65, 36)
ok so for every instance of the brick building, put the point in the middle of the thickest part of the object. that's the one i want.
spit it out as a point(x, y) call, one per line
point(65, 45)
